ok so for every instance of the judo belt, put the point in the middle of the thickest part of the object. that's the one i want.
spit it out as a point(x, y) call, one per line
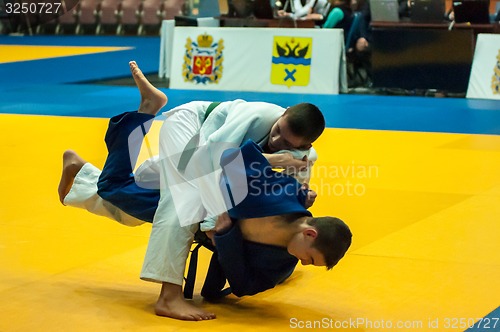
point(193, 143)
point(210, 109)
point(202, 240)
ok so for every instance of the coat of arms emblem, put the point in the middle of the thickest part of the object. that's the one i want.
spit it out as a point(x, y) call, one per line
point(203, 60)
point(291, 63)
point(495, 79)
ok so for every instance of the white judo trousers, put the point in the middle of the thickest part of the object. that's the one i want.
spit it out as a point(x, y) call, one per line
point(180, 208)
point(83, 194)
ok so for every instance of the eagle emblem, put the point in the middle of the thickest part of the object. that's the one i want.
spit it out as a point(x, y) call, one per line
point(291, 61)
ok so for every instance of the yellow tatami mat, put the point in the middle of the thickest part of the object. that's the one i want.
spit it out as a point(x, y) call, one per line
point(15, 53)
point(423, 208)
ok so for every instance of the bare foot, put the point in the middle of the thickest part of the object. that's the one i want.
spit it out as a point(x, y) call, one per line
point(72, 164)
point(172, 303)
point(152, 99)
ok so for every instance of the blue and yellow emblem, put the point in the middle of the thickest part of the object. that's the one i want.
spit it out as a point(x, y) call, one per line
point(291, 61)
point(203, 60)
point(495, 79)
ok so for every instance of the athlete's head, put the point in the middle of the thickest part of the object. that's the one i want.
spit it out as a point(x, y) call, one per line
point(321, 241)
point(297, 128)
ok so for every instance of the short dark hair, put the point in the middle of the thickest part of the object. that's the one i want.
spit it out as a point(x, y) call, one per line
point(333, 240)
point(305, 120)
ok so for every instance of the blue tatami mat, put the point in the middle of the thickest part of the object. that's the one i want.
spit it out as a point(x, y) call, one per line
point(46, 87)
point(453, 115)
point(79, 68)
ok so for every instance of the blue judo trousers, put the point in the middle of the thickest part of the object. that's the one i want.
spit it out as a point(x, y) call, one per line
point(117, 183)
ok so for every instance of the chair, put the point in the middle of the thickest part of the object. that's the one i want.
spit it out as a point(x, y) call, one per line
point(46, 22)
point(128, 14)
point(107, 15)
point(172, 8)
point(151, 15)
point(88, 14)
point(69, 20)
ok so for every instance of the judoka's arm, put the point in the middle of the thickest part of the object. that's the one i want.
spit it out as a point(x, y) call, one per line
point(301, 174)
point(242, 279)
point(310, 195)
point(287, 161)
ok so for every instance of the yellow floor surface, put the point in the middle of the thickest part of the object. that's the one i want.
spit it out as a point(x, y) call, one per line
point(17, 53)
point(423, 207)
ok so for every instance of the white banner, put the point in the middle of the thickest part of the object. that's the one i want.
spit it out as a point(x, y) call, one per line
point(166, 46)
point(167, 42)
point(258, 59)
point(484, 82)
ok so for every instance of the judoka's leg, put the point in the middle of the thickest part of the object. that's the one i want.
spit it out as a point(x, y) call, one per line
point(72, 164)
point(123, 140)
point(82, 192)
point(117, 183)
point(126, 131)
point(215, 281)
point(169, 243)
